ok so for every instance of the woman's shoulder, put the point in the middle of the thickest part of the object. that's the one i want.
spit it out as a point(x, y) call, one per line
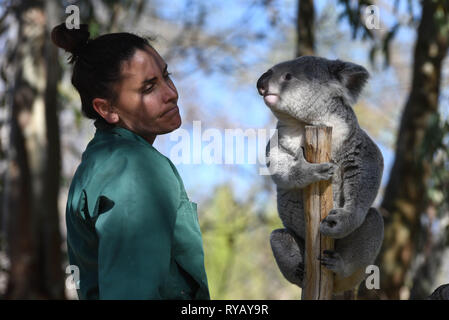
point(113, 158)
point(122, 169)
point(107, 148)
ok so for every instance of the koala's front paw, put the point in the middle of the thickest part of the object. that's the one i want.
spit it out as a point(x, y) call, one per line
point(324, 171)
point(332, 261)
point(336, 225)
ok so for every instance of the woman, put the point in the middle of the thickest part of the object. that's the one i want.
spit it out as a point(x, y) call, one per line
point(131, 229)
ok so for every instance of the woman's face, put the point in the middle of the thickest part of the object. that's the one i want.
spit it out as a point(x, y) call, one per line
point(147, 102)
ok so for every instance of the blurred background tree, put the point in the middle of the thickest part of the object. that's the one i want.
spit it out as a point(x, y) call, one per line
point(408, 210)
point(216, 50)
point(30, 187)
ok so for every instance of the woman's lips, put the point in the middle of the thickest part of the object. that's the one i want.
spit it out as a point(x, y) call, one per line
point(271, 99)
point(170, 111)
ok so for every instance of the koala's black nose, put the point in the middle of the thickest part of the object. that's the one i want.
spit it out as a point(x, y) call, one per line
point(262, 83)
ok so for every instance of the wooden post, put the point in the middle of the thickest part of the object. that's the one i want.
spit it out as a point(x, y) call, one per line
point(318, 201)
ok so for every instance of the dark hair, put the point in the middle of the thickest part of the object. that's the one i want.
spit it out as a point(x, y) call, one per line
point(97, 61)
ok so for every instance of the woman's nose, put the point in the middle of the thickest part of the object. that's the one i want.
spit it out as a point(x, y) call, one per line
point(170, 92)
point(262, 83)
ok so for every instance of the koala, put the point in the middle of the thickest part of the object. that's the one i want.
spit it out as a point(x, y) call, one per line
point(316, 91)
point(440, 293)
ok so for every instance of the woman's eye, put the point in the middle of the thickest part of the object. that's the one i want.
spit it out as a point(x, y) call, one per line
point(148, 89)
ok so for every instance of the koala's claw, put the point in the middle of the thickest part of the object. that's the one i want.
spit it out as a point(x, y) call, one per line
point(325, 171)
point(332, 261)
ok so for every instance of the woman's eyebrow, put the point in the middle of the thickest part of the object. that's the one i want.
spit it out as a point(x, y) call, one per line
point(151, 80)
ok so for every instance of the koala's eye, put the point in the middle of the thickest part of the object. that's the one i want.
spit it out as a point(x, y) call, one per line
point(287, 76)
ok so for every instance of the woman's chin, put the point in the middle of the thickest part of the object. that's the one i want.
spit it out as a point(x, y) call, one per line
point(177, 121)
point(174, 124)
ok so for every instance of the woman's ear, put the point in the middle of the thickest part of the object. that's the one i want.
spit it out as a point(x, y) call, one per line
point(105, 110)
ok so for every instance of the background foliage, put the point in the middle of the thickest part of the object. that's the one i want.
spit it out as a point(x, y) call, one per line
point(216, 50)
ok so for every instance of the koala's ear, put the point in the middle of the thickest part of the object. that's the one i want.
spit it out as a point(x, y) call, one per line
point(352, 76)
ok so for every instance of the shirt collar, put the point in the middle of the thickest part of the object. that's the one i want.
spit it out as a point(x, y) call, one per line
point(104, 127)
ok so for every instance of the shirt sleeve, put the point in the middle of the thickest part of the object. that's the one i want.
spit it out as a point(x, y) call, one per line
point(136, 216)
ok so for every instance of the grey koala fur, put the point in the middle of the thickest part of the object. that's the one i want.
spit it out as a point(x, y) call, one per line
point(316, 91)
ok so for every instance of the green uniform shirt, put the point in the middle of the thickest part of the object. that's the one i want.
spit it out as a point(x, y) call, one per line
point(131, 229)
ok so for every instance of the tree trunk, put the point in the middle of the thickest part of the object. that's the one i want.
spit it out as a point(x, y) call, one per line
point(318, 201)
point(431, 252)
point(33, 235)
point(305, 44)
point(53, 280)
point(18, 198)
point(405, 195)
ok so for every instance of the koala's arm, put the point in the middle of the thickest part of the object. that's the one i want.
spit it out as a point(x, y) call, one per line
point(293, 171)
point(361, 174)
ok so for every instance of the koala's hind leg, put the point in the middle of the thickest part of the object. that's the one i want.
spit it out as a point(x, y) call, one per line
point(291, 210)
point(288, 251)
point(357, 250)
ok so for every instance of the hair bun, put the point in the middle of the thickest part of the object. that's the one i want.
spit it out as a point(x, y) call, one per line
point(71, 40)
